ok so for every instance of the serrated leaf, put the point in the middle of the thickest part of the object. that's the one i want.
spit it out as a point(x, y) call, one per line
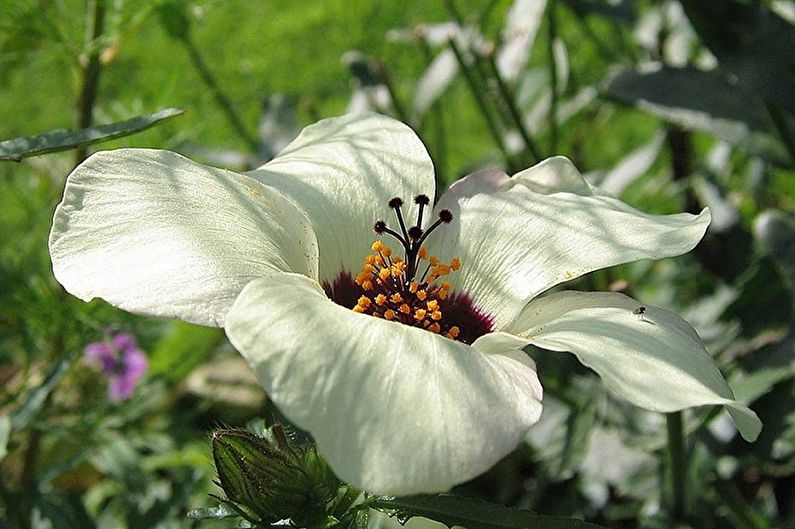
point(703, 101)
point(473, 514)
point(65, 139)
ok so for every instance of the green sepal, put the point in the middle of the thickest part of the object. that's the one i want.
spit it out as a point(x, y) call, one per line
point(273, 480)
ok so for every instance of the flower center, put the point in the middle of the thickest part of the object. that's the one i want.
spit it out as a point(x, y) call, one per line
point(410, 289)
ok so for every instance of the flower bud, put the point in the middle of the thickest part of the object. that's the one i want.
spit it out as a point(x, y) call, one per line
point(270, 480)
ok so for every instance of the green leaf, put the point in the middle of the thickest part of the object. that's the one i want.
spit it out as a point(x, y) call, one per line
point(5, 433)
point(703, 101)
point(37, 396)
point(775, 230)
point(212, 513)
point(64, 510)
point(182, 349)
point(472, 514)
point(65, 139)
point(752, 43)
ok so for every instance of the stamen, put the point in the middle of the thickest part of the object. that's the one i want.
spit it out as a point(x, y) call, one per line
point(395, 292)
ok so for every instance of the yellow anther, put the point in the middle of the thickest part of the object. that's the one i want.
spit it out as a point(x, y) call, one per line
point(368, 268)
point(389, 314)
point(405, 309)
point(370, 259)
point(358, 308)
point(433, 305)
point(379, 260)
point(455, 264)
point(421, 295)
point(397, 259)
point(377, 246)
point(442, 270)
point(419, 314)
point(395, 298)
point(380, 299)
point(442, 293)
point(398, 269)
point(446, 286)
point(436, 315)
point(386, 251)
point(364, 302)
point(384, 273)
point(368, 285)
point(413, 286)
point(434, 260)
point(435, 327)
point(453, 332)
point(423, 252)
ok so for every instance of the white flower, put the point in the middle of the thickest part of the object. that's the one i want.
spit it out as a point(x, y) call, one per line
point(395, 408)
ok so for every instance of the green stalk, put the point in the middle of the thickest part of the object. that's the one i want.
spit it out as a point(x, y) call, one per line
point(677, 463)
point(89, 78)
point(510, 102)
point(481, 102)
point(437, 118)
point(386, 78)
point(220, 98)
point(745, 517)
point(785, 133)
point(553, 75)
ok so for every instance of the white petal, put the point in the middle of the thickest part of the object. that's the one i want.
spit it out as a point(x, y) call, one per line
point(155, 233)
point(342, 172)
point(656, 361)
point(394, 409)
point(519, 236)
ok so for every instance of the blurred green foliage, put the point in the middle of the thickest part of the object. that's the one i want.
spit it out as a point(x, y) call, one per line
point(671, 106)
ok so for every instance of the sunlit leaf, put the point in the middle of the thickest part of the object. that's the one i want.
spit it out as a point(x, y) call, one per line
point(64, 139)
point(632, 166)
point(5, 433)
point(700, 100)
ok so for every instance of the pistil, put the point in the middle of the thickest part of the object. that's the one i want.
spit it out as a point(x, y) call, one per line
point(391, 288)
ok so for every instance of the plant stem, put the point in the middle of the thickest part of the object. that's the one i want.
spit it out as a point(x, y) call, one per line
point(386, 79)
point(220, 98)
point(742, 512)
point(677, 463)
point(553, 75)
point(481, 102)
point(90, 70)
point(510, 101)
point(440, 151)
point(784, 131)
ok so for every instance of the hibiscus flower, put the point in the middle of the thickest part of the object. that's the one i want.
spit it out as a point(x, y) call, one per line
point(388, 327)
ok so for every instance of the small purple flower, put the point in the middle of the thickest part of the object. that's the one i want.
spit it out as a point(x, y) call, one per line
point(121, 361)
